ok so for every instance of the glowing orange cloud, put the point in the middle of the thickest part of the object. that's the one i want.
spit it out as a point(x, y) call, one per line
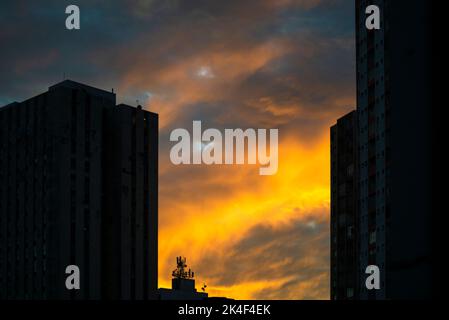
point(246, 236)
point(214, 224)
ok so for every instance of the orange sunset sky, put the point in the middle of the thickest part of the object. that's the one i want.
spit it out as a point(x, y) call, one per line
point(285, 64)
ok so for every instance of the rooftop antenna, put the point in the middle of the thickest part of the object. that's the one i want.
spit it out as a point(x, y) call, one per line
point(180, 271)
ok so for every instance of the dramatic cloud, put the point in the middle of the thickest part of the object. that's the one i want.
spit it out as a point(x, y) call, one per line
point(262, 265)
point(286, 64)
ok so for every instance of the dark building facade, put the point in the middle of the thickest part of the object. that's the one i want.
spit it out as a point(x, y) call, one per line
point(393, 176)
point(344, 197)
point(78, 187)
point(130, 178)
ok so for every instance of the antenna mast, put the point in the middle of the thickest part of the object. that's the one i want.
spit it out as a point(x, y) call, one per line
point(180, 271)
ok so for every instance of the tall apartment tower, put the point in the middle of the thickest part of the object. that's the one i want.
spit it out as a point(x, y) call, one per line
point(130, 210)
point(393, 210)
point(344, 197)
point(78, 187)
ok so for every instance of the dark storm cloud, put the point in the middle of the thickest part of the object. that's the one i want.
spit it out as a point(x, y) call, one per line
point(37, 50)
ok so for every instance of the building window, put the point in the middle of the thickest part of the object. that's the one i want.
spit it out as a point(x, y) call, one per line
point(349, 292)
point(372, 237)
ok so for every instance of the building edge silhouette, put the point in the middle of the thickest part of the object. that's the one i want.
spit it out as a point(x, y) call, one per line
point(393, 218)
point(79, 187)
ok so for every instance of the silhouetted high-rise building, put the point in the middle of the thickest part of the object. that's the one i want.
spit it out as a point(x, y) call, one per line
point(130, 179)
point(78, 187)
point(393, 210)
point(344, 197)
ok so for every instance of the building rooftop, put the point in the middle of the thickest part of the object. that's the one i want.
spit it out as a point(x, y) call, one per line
point(76, 85)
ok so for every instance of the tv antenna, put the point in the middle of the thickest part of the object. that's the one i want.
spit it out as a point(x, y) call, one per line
point(180, 271)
